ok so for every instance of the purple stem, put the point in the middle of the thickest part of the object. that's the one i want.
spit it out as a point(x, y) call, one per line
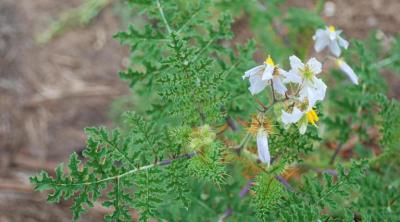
point(183, 156)
point(245, 190)
point(284, 182)
point(228, 212)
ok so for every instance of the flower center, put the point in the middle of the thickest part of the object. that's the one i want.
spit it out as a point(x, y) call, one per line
point(307, 72)
point(332, 28)
point(312, 116)
point(269, 61)
point(276, 72)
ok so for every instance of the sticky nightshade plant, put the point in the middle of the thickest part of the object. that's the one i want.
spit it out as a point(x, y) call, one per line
point(212, 136)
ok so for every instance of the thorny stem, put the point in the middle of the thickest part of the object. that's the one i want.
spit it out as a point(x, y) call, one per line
point(163, 16)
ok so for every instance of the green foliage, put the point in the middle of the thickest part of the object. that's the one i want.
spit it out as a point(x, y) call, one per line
point(184, 154)
point(317, 198)
point(289, 144)
point(268, 192)
point(208, 165)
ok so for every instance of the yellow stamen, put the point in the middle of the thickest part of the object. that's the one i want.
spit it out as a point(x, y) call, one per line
point(312, 117)
point(332, 28)
point(316, 118)
point(269, 61)
point(339, 61)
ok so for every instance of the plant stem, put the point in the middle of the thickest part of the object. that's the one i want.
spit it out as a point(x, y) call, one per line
point(273, 91)
point(163, 16)
point(202, 50)
point(385, 62)
point(162, 163)
point(337, 150)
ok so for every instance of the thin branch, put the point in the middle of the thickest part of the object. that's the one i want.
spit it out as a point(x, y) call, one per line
point(285, 183)
point(162, 163)
point(273, 91)
point(337, 151)
point(245, 190)
point(163, 16)
point(187, 21)
point(385, 62)
point(231, 123)
point(202, 50)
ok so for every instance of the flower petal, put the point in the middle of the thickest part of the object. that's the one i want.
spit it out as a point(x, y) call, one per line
point(262, 147)
point(279, 87)
point(267, 74)
point(335, 49)
point(347, 70)
point(295, 63)
point(321, 40)
point(313, 91)
point(293, 117)
point(343, 42)
point(315, 66)
point(256, 84)
point(332, 35)
point(253, 71)
point(292, 76)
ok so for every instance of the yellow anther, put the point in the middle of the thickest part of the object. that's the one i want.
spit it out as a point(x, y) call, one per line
point(312, 117)
point(339, 61)
point(269, 61)
point(332, 28)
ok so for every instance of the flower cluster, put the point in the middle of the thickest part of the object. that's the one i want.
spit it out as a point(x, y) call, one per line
point(330, 37)
point(299, 87)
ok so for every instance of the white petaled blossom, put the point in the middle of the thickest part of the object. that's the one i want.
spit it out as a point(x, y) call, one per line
point(262, 146)
point(300, 117)
point(260, 127)
point(329, 37)
point(347, 70)
point(311, 88)
point(260, 75)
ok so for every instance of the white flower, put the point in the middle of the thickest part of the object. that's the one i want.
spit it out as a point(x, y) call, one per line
point(262, 146)
point(300, 117)
point(347, 70)
point(312, 88)
point(294, 117)
point(329, 37)
point(256, 83)
point(260, 75)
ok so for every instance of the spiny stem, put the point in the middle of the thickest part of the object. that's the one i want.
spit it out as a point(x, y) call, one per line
point(163, 16)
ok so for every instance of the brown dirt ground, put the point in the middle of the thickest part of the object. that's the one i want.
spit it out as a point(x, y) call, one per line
point(49, 93)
